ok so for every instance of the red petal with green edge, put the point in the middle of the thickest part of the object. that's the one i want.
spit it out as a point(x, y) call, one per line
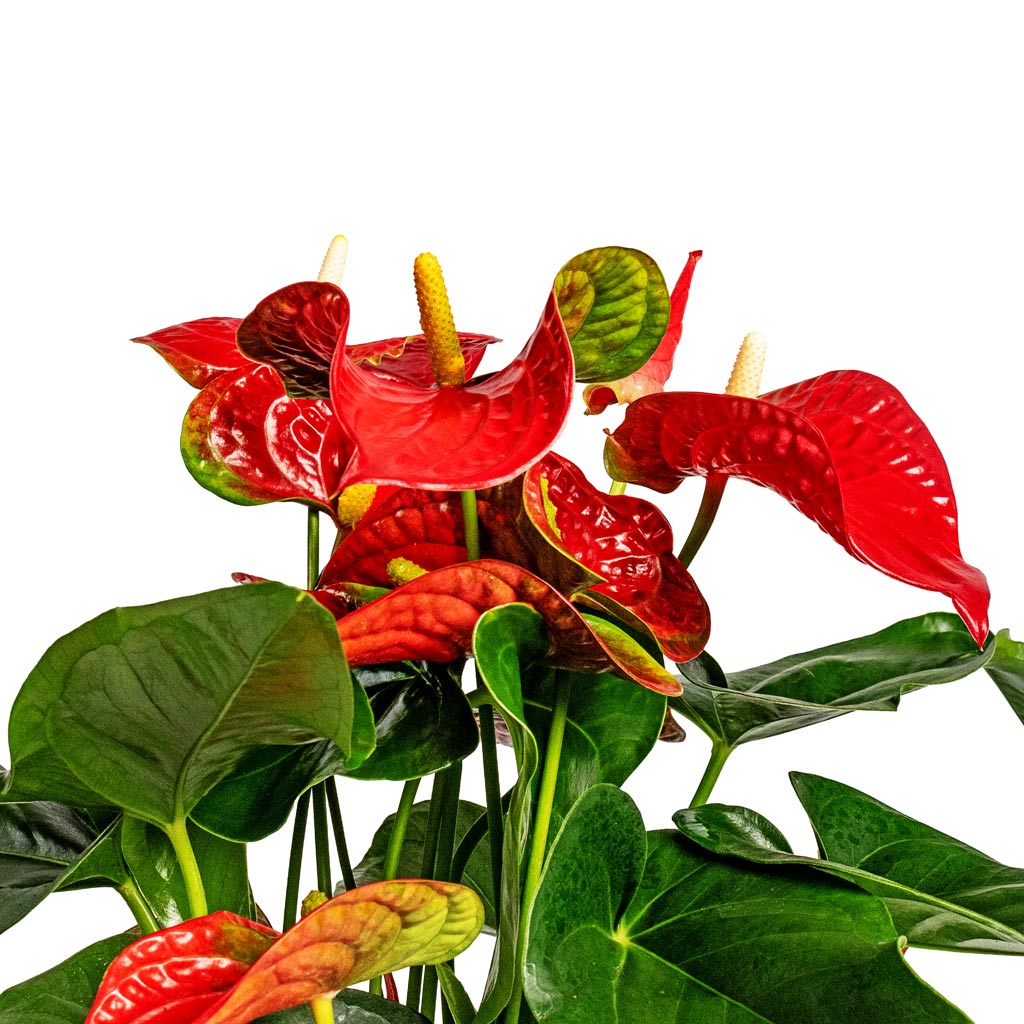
point(199, 350)
point(407, 359)
point(629, 543)
point(296, 331)
point(458, 438)
point(174, 975)
point(432, 619)
point(363, 933)
point(651, 377)
point(845, 448)
point(423, 526)
point(243, 439)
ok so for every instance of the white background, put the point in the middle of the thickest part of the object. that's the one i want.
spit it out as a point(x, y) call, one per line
point(851, 173)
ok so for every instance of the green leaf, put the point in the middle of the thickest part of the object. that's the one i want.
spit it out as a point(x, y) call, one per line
point(148, 708)
point(455, 995)
point(350, 1007)
point(612, 725)
point(615, 304)
point(154, 867)
point(508, 643)
point(870, 673)
point(630, 927)
point(424, 722)
point(1007, 671)
point(40, 845)
point(63, 994)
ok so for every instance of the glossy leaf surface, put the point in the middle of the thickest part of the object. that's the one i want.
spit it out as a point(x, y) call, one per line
point(40, 843)
point(199, 350)
point(457, 438)
point(174, 975)
point(432, 619)
point(358, 935)
point(1007, 670)
point(198, 682)
point(246, 441)
point(941, 893)
point(656, 928)
point(628, 542)
point(615, 306)
point(844, 448)
point(351, 1006)
point(652, 376)
point(870, 673)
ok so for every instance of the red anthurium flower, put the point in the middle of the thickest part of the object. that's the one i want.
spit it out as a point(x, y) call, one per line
point(845, 448)
point(652, 376)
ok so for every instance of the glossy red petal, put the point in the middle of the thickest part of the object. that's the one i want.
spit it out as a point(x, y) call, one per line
point(628, 542)
point(423, 526)
point(457, 438)
point(406, 358)
point(243, 439)
point(199, 350)
point(174, 975)
point(296, 331)
point(651, 377)
point(845, 448)
point(432, 618)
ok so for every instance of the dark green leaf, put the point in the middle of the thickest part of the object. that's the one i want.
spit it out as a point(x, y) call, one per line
point(628, 927)
point(1007, 670)
point(350, 1007)
point(63, 994)
point(423, 720)
point(869, 673)
point(615, 305)
point(478, 870)
point(157, 873)
point(148, 708)
point(455, 995)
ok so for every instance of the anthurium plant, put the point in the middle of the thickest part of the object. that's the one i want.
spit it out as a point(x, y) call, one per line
point(481, 590)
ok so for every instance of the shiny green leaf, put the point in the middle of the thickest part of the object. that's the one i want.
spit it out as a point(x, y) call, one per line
point(1007, 670)
point(615, 306)
point(870, 673)
point(629, 927)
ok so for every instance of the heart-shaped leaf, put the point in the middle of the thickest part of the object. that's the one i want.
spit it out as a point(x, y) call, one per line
point(199, 350)
point(845, 448)
point(246, 441)
point(628, 542)
point(869, 673)
point(457, 438)
point(1007, 670)
point(652, 376)
point(663, 930)
point(148, 708)
point(942, 894)
point(432, 619)
point(360, 934)
point(615, 306)
point(177, 974)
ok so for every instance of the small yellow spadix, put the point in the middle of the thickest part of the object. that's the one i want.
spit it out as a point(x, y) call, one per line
point(333, 266)
point(437, 323)
point(401, 570)
point(745, 381)
point(353, 503)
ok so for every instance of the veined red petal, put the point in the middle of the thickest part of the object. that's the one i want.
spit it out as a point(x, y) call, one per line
point(457, 438)
point(406, 358)
point(200, 350)
point(845, 448)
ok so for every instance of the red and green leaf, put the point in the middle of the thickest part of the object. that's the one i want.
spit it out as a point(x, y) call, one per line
point(457, 438)
point(844, 448)
point(174, 975)
point(199, 350)
point(246, 441)
point(653, 375)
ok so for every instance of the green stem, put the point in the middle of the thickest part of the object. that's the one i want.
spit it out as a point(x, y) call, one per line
point(139, 907)
point(492, 789)
point(291, 891)
point(347, 875)
point(177, 832)
point(541, 826)
point(713, 487)
point(471, 525)
point(323, 1010)
point(720, 752)
point(321, 839)
point(312, 548)
point(617, 487)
